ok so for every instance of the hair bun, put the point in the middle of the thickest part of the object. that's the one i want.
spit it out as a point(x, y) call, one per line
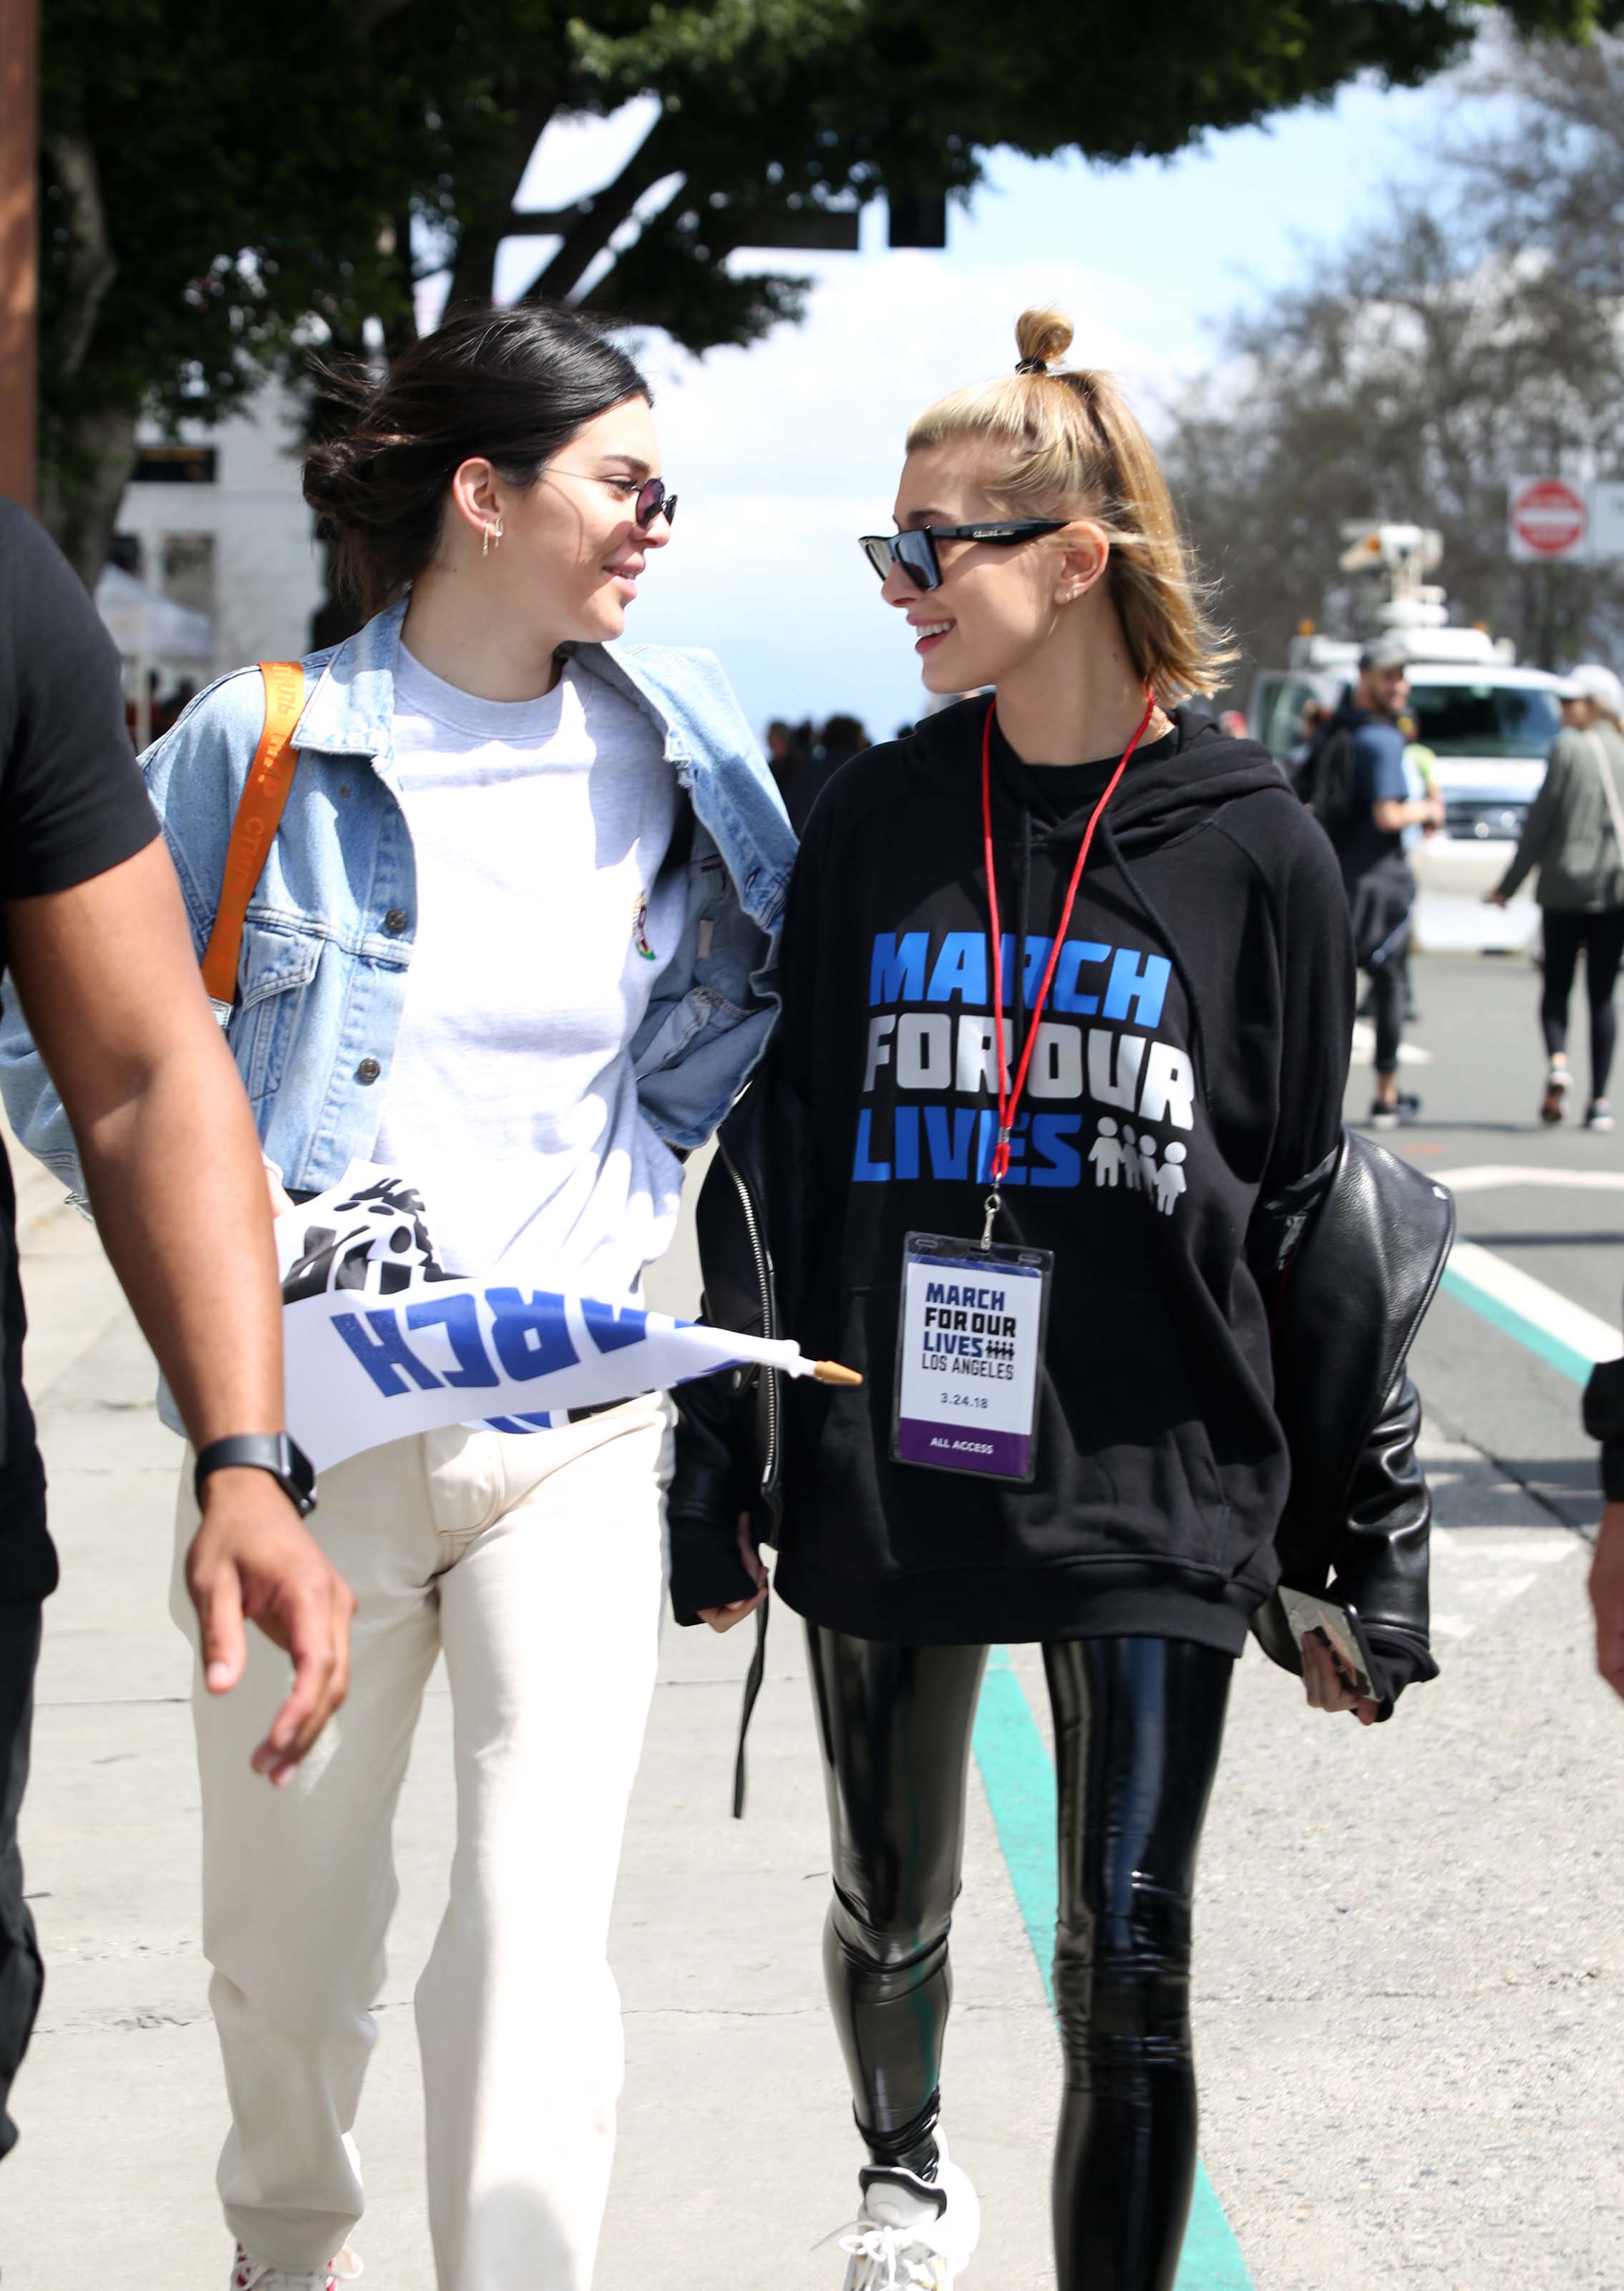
point(1041, 336)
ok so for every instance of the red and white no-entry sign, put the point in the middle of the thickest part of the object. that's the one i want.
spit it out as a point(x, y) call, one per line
point(1550, 518)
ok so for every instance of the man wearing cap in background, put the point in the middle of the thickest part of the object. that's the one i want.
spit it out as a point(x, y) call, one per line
point(1359, 788)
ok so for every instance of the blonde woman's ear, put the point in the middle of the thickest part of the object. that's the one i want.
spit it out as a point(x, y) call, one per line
point(1085, 553)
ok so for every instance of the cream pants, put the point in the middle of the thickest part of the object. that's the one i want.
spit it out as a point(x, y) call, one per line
point(534, 1565)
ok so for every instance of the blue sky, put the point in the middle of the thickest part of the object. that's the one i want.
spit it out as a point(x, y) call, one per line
point(784, 452)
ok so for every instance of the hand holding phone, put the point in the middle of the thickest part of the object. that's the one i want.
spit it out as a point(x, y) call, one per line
point(1337, 1670)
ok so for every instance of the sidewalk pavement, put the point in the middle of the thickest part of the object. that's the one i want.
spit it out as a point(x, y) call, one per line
point(1411, 1953)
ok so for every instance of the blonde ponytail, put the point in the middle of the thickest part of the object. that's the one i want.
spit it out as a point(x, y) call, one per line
point(1069, 443)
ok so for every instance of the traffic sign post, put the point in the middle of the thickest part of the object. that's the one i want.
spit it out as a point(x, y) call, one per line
point(1549, 521)
point(1564, 520)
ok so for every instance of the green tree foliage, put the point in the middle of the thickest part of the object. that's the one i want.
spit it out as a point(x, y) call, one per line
point(223, 180)
point(1475, 333)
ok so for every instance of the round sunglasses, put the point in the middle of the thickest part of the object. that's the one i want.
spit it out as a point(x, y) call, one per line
point(653, 498)
point(915, 551)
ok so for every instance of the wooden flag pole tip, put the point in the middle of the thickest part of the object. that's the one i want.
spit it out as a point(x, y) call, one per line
point(831, 1372)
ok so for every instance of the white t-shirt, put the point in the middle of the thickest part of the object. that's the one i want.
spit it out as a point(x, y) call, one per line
point(538, 829)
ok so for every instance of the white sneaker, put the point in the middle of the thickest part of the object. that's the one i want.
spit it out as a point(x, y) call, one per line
point(911, 2234)
point(258, 2275)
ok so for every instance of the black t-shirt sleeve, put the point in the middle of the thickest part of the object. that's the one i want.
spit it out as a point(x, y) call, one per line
point(72, 799)
point(1316, 1013)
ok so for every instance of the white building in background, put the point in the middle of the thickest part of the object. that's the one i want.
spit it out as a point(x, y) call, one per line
point(217, 522)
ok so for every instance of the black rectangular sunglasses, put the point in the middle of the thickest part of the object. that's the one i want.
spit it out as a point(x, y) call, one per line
point(915, 551)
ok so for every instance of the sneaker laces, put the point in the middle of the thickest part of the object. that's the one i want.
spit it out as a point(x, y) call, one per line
point(912, 2259)
point(250, 2275)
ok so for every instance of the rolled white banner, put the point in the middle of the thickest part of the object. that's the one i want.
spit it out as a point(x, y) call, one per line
point(379, 1343)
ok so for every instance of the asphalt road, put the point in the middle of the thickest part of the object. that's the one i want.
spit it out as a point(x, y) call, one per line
point(1480, 1091)
point(1409, 1958)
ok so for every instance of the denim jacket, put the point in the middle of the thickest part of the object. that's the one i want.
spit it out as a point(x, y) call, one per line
point(329, 935)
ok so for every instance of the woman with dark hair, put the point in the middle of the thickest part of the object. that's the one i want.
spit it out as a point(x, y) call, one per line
point(1058, 1087)
point(513, 939)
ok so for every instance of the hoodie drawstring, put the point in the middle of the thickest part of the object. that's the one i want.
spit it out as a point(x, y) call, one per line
point(1154, 913)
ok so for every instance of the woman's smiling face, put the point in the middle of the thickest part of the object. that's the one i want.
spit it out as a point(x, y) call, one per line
point(995, 607)
point(572, 552)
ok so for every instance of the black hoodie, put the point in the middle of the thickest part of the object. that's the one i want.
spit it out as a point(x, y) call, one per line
point(1193, 1058)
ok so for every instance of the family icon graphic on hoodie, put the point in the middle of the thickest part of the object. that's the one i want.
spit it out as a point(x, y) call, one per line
point(1118, 1157)
point(932, 1067)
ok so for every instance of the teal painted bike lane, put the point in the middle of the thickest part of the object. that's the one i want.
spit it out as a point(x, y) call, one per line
point(1019, 1776)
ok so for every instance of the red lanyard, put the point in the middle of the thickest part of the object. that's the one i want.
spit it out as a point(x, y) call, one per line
point(1009, 1098)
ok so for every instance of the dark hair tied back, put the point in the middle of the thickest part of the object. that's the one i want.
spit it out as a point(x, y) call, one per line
point(511, 386)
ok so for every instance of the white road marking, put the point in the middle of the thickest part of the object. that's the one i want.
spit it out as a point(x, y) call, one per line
point(1582, 1332)
point(1482, 1178)
point(1477, 1570)
point(1490, 1542)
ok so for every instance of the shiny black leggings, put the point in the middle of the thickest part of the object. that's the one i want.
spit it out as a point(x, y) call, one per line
point(1602, 937)
point(1138, 1724)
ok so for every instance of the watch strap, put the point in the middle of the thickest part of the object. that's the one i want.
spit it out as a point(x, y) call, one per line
point(261, 1452)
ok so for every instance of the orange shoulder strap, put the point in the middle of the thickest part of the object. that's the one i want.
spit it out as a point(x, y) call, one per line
point(265, 795)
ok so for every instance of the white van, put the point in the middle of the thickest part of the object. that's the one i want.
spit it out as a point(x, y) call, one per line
point(1490, 725)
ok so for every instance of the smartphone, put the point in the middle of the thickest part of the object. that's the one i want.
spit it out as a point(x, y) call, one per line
point(1342, 1632)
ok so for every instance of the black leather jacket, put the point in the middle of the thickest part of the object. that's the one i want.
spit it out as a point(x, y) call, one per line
point(1352, 1259)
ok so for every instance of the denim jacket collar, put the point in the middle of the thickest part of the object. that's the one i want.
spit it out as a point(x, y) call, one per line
point(351, 710)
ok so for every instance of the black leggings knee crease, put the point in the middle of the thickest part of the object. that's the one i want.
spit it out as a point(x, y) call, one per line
point(1138, 1727)
point(1602, 937)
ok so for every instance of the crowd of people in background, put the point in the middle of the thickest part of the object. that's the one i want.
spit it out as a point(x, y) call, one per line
point(1362, 770)
point(804, 759)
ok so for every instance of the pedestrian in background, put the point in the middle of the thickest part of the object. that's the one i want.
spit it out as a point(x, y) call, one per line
point(1604, 1418)
point(511, 939)
point(1421, 779)
point(790, 749)
point(149, 1117)
point(1574, 837)
point(842, 738)
point(1355, 782)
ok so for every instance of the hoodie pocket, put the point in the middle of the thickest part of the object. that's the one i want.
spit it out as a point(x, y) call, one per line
point(1123, 1438)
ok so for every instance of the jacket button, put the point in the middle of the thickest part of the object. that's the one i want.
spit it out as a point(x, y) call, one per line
point(368, 1070)
point(394, 921)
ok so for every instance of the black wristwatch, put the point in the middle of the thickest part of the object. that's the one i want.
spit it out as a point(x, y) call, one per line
point(262, 1452)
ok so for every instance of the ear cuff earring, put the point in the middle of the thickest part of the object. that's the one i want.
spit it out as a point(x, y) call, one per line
point(494, 534)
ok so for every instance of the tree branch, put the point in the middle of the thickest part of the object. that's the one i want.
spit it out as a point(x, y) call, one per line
point(92, 266)
point(474, 272)
point(600, 217)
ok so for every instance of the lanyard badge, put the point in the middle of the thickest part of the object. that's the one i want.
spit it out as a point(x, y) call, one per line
point(969, 1342)
point(975, 1318)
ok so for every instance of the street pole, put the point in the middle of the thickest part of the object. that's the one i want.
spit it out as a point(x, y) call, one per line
point(19, 246)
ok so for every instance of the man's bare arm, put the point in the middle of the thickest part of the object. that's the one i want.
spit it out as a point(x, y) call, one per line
point(1607, 1596)
point(1392, 812)
point(109, 986)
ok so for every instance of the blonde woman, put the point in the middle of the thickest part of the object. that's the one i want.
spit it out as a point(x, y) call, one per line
point(1068, 970)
